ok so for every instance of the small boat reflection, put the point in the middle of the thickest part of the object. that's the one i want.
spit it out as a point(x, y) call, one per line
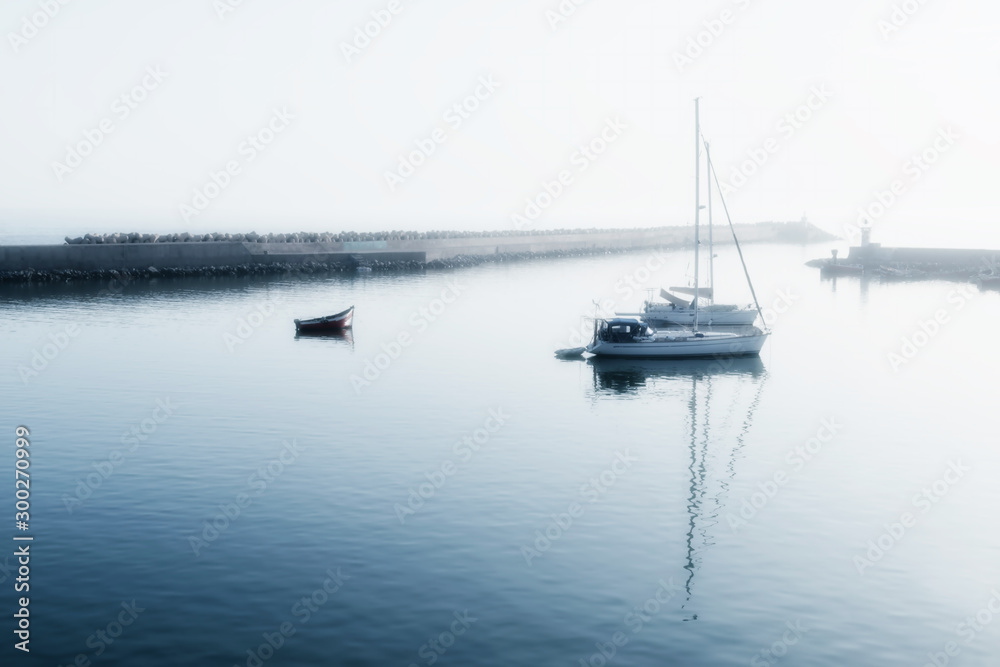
point(629, 375)
point(345, 336)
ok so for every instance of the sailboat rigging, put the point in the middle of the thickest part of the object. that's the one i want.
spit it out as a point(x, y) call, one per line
point(623, 336)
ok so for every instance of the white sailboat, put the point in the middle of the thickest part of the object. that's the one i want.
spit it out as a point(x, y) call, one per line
point(679, 311)
point(675, 310)
point(622, 337)
point(631, 337)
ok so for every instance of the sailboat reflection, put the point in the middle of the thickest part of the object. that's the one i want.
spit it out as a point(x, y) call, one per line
point(345, 336)
point(623, 375)
point(722, 398)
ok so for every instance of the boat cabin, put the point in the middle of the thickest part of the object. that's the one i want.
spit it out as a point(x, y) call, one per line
point(621, 330)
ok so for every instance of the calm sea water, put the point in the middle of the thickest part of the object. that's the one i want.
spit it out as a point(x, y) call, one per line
point(438, 489)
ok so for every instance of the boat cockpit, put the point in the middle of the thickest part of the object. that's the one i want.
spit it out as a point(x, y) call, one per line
point(622, 330)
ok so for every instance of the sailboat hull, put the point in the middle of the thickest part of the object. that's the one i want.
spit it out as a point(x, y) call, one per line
point(683, 348)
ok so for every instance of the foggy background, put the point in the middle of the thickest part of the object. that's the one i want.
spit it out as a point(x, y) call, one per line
point(885, 81)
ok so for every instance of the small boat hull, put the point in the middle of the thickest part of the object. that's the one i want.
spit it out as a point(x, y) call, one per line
point(338, 322)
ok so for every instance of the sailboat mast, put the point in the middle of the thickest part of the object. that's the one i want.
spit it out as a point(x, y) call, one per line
point(711, 239)
point(697, 204)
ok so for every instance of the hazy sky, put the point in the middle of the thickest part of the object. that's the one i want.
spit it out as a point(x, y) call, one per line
point(183, 87)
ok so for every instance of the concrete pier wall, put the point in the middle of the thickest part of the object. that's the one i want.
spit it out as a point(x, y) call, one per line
point(121, 256)
point(182, 255)
point(875, 254)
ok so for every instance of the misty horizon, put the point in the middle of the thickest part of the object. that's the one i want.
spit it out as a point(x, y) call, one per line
point(864, 114)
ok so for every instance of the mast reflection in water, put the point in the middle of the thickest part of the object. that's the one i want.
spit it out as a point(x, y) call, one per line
point(722, 397)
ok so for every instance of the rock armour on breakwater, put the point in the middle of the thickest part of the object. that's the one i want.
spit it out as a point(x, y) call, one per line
point(328, 237)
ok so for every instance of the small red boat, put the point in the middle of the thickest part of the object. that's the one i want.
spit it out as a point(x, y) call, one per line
point(336, 322)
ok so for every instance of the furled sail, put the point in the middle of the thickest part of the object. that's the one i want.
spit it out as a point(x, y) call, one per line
point(705, 292)
point(676, 300)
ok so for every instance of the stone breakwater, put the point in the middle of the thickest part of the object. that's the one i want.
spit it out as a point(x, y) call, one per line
point(287, 268)
point(151, 255)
